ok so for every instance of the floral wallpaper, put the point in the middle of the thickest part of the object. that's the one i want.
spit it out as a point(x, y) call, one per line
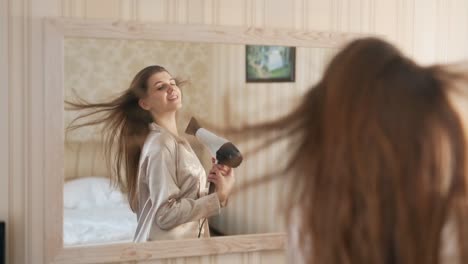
point(100, 69)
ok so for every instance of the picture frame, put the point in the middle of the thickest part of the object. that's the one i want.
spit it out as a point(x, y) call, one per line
point(270, 63)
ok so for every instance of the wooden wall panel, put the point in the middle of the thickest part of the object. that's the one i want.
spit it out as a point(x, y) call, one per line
point(153, 10)
point(5, 117)
point(17, 219)
point(385, 20)
point(230, 12)
point(456, 32)
point(102, 9)
point(279, 13)
point(196, 14)
point(425, 19)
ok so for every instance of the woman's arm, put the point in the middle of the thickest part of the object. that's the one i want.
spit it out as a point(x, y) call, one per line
point(172, 209)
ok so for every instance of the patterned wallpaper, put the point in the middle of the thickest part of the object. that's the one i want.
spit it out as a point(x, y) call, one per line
point(100, 69)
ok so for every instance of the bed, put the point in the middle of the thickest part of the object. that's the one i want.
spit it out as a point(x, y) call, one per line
point(94, 211)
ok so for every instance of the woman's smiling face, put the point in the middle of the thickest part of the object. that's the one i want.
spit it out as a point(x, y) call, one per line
point(163, 94)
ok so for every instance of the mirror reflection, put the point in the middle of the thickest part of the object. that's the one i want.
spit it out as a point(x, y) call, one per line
point(97, 70)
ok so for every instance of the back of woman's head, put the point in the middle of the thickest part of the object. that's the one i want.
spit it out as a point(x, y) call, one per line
point(125, 128)
point(379, 167)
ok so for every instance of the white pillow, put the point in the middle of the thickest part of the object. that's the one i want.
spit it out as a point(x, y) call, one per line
point(91, 192)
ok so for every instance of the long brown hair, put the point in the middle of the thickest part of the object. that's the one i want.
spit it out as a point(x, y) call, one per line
point(380, 162)
point(125, 128)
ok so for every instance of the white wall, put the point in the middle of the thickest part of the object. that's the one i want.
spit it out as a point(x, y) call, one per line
point(428, 30)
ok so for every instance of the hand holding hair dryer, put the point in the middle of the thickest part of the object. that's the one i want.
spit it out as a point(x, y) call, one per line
point(224, 151)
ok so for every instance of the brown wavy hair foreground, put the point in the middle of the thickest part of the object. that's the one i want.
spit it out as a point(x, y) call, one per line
point(380, 165)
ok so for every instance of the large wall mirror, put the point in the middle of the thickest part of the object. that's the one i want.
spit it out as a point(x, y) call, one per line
point(96, 60)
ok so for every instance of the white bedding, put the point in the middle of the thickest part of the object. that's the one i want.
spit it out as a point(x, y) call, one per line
point(98, 225)
point(95, 213)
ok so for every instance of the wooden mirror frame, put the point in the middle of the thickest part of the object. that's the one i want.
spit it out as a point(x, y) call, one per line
point(55, 31)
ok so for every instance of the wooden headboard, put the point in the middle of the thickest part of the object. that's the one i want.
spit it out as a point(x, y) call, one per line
point(84, 159)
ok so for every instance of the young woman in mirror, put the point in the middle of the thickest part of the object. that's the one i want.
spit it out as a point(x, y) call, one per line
point(163, 178)
point(379, 163)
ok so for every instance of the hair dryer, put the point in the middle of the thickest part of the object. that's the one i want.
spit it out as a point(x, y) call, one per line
point(224, 151)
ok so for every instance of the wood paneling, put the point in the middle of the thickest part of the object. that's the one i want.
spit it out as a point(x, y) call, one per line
point(230, 12)
point(165, 250)
point(168, 11)
point(4, 117)
point(102, 9)
point(279, 13)
point(17, 218)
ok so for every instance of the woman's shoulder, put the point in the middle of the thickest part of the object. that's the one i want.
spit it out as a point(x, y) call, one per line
point(158, 141)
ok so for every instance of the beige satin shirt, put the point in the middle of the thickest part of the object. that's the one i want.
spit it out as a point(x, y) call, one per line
point(171, 190)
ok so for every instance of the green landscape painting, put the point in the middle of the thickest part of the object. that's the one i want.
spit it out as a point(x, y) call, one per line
point(270, 63)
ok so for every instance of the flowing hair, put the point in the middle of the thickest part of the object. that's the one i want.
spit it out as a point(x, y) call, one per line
point(125, 128)
point(379, 163)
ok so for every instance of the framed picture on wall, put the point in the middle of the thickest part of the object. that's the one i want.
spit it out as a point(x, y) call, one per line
point(270, 63)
